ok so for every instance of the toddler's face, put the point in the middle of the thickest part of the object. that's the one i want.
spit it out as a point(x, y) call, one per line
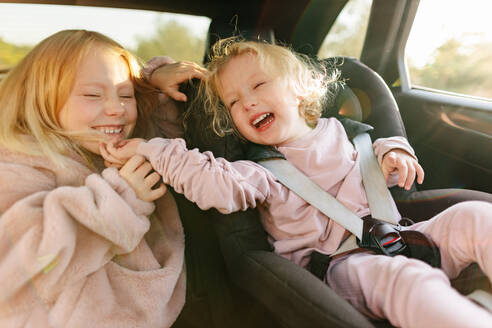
point(264, 108)
point(102, 98)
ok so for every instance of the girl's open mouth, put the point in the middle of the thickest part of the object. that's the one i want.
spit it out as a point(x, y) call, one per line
point(113, 132)
point(263, 121)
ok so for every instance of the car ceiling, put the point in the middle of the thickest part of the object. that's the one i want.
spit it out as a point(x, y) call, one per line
point(282, 16)
point(209, 8)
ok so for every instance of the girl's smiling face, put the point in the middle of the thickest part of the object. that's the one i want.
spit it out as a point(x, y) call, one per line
point(102, 98)
point(265, 110)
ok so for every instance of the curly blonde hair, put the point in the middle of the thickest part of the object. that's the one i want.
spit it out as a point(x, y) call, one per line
point(33, 93)
point(310, 81)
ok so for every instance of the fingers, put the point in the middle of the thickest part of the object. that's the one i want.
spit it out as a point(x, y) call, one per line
point(407, 166)
point(402, 168)
point(122, 143)
point(112, 149)
point(136, 172)
point(409, 173)
point(144, 169)
point(420, 173)
point(152, 179)
point(180, 72)
point(110, 164)
point(107, 156)
point(157, 193)
point(113, 153)
point(186, 72)
point(175, 94)
point(389, 163)
point(191, 70)
point(413, 170)
point(132, 164)
point(170, 76)
point(409, 170)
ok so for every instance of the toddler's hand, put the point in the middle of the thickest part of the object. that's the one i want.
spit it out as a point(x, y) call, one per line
point(119, 154)
point(136, 172)
point(170, 76)
point(406, 165)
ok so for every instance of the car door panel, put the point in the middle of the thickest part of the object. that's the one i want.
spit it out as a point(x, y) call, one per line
point(452, 140)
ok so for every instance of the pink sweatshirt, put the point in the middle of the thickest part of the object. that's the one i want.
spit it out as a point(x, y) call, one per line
point(77, 249)
point(295, 227)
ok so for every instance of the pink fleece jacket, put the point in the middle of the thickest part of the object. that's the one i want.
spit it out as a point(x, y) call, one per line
point(77, 249)
point(296, 228)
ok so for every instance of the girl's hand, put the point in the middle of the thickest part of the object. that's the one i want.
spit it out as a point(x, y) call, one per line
point(117, 155)
point(136, 172)
point(170, 76)
point(406, 165)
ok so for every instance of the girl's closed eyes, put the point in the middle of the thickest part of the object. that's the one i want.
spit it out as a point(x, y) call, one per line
point(257, 85)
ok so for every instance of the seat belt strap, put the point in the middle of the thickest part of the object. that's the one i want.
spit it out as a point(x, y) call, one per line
point(378, 195)
point(312, 193)
point(374, 184)
point(377, 192)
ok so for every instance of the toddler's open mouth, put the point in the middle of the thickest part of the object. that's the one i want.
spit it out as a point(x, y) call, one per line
point(262, 121)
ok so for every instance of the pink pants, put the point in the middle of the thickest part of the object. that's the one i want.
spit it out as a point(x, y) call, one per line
point(410, 293)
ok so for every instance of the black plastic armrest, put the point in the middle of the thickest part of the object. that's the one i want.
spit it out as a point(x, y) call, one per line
point(423, 205)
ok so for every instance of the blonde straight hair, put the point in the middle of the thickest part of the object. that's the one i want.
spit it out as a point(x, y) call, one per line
point(33, 93)
point(310, 81)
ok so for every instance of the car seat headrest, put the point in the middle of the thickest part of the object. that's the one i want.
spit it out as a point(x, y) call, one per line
point(378, 107)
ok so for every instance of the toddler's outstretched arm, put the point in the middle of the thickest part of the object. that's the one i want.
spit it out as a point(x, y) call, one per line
point(209, 181)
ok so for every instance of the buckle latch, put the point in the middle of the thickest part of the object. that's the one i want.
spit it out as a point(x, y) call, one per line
point(382, 237)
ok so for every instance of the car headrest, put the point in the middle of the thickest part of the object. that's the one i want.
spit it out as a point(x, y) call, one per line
point(377, 106)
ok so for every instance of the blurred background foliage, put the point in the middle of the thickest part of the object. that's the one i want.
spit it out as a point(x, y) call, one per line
point(170, 39)
point(457, 68)
point(11, 54)
point(173, 40)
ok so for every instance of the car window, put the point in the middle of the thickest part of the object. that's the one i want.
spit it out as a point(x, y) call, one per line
point(146, 33)
point(451, 49)
point(346, 36)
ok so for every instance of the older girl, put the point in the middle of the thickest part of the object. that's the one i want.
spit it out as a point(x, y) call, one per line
point(80, 245)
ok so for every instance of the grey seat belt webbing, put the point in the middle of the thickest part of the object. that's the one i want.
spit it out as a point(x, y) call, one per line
point(312, 193)
point(299, 183)
point(379, 201)
point(378, 195)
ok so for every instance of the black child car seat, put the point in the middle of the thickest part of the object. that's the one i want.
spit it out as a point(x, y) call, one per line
point(291, 294)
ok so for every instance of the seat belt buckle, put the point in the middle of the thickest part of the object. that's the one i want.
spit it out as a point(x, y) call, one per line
point(382, 237)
